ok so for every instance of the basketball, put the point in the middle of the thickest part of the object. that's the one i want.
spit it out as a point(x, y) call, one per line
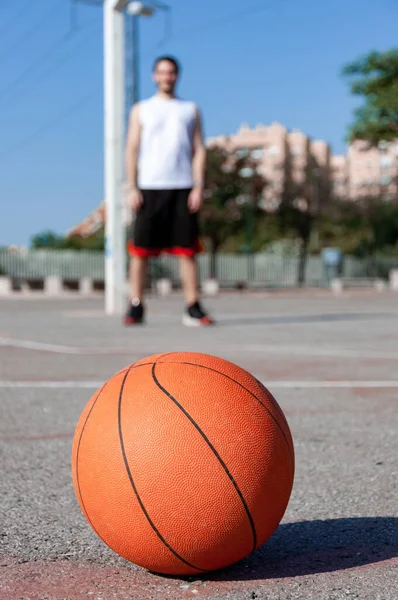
point(183, 463)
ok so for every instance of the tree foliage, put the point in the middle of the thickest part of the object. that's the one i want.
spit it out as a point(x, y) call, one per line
point(233, 190)
point(51, 240)
point(362, 228)
point(374, 77)
point(298, 211)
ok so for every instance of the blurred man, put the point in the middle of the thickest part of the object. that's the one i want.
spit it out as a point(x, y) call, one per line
point(165, 166)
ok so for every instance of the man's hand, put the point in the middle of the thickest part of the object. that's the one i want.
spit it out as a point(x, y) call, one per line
point(195, 199)
point(135, 199)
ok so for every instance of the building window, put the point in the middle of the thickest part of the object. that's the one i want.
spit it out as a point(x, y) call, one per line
point(242, 153)
point(257, 153)
point(273, 150)
point(246, 172)
point(385, 161)
point(385, 180)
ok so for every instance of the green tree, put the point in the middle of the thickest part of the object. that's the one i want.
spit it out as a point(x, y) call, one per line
point(300, 209)
point(51, 240)
point(363, 228)
point(95, 242)
point(47, 239)
point(232, 192)
point(380, 221)
point(375, 78)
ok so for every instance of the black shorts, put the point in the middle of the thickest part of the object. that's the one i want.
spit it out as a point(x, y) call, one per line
point(164, 224)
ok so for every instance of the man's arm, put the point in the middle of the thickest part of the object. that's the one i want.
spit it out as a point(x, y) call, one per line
point(131, 158)
point(198, 166)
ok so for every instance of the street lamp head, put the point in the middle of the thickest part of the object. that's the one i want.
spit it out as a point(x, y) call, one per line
point(140, 9)
point(133, 8)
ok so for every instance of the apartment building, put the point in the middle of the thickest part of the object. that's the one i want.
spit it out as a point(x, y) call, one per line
point(284, 159)
point(291, 158)
point(373, 172)
point(339, 175)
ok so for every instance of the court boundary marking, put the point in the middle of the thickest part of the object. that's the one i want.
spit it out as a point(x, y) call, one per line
point(292, 350)
point(271, 384)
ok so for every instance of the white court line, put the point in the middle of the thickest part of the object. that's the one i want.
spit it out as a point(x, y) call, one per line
point(58, 349)
point(285, 350)
point(330, 384)
point(327, 351)
point(324, 384)
point(28, 345)
point(58, 385)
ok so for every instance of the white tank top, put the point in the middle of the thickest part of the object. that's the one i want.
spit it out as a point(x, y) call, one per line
point(165, 157)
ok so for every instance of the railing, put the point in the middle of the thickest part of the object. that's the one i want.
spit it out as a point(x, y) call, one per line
point(257, 270)
point(38, 264)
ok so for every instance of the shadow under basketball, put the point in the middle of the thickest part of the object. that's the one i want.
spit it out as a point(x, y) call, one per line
point(311, 547)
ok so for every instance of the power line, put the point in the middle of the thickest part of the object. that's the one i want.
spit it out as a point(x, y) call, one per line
point(250, 10)
point(49, 125)
point(16, 17)
point(31, 31)
point(39, 60)
point(83, 101)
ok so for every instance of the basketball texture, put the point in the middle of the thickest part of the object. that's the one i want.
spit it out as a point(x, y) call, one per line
point(183, 463)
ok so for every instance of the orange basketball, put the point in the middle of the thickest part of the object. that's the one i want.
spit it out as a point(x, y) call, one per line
point(183, 463)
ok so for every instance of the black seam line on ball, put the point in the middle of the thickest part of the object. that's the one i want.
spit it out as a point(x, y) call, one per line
point(216, 454)
point(164, 356)
point(77, 457)
point(273, 401)
point(133, 366)
point(251, 394)
point(144, 510)
point(81, 437)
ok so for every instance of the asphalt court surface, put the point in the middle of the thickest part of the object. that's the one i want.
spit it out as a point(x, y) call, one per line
point(330, 361)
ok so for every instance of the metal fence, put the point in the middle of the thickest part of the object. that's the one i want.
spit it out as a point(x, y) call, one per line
point(37, 264)
point(257, 270)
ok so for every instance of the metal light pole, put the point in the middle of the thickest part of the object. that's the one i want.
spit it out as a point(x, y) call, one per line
point(248, 173)
point(115, 233)
point(136, 10)
point(135, 57)
point(114, 125)
point(114, 94)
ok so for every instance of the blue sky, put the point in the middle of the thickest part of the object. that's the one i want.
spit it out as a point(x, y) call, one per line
point(243, 61)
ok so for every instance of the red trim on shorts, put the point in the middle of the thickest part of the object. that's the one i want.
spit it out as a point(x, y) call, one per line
point(143, 252)
point(174, 250)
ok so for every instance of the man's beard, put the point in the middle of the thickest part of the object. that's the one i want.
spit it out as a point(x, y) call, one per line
point(168, 89)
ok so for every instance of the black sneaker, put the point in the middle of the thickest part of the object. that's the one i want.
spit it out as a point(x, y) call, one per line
point(196, 317)
point(135, 313)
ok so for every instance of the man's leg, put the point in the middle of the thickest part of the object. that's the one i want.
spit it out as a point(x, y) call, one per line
point(139, 249)
point(189, 279)
point(194, 315)
point(184, 241)
point(138, 272)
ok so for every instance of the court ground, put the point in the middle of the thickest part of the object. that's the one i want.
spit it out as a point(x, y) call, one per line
point(330, 362)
